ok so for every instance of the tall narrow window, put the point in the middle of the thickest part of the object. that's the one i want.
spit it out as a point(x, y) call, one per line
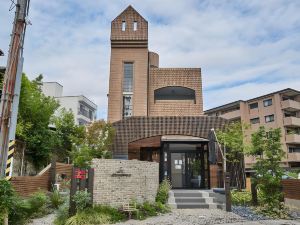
point(128, 77)
point(134, 25)
point(127, 106)
point(127, 89)
point(123, 25)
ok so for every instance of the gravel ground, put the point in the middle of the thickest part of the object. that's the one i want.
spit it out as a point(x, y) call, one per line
point(47, 220)
point(247, 213)
point(239, 216)
point(189, 217)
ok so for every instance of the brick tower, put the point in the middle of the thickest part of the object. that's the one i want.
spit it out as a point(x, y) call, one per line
point(128, 66)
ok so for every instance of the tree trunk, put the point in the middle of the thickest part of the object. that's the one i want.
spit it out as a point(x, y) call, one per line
point(5, 218)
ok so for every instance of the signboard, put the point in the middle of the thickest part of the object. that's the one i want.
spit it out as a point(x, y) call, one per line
point(80, 174)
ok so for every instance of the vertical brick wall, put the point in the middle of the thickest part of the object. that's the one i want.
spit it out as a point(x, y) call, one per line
point(120, 181)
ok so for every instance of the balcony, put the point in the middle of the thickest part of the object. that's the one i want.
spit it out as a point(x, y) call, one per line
point(290, 105)
point(295, 156)
point(231, 115)
point(292, 138)
point(291, 121)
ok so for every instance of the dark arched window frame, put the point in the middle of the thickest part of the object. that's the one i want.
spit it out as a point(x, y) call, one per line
point(174, 93)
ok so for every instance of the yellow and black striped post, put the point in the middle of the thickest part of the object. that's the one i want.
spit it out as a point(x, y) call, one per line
point(11, 150)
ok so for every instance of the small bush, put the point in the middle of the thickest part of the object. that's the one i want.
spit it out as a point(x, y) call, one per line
point(62, 214)
point(148, 209)
point(82, 199)
point(163, 191)
point(56, 199)
point(20, 212)
point(7, 195)
point(162, 208)
point(97, 215)
point(39, 203)
point(115, 214)
point(278, 212)
point(241, 197)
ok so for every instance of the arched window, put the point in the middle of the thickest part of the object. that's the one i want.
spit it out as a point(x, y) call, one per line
point(174, 93)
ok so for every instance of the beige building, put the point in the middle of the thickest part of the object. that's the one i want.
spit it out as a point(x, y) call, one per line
point(280, 109)
point(83, 109)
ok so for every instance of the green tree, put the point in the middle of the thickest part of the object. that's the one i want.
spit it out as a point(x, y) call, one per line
point(35, 112)
point(232, 138)
point(267, 149)
point(96, 144)
point(99, 137)
point(67, 133)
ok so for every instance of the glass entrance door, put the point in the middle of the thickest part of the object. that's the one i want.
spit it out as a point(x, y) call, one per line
point(187, 170)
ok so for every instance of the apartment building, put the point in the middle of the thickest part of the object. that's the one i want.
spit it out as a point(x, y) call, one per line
point(279, 109)
point(84, 110)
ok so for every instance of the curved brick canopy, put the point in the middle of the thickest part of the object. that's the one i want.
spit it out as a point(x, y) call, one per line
point(136, 128)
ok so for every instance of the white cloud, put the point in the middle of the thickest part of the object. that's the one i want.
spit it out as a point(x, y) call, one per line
point(244, 48)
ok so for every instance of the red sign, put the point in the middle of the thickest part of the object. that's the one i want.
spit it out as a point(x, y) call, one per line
point(80, 174)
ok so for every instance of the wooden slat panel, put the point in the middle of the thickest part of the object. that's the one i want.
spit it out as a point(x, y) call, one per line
point(291, 188)
point(27, 185)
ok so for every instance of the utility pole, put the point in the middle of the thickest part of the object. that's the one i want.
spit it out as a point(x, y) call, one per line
point(11, 83)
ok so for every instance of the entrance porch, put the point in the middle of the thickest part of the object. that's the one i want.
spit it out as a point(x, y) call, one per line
point(184, 160)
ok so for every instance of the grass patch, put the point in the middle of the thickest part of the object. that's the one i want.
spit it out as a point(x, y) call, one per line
point(96, 215)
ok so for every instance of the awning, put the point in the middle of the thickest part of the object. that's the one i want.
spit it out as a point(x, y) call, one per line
point(182, 138)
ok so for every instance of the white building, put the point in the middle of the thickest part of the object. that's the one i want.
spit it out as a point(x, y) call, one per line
point(84, 110)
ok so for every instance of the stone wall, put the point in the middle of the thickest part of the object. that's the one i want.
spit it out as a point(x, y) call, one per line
point(119, 181)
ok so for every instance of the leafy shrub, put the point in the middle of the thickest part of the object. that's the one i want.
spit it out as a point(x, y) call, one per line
point(241, 197)
point(278, 212)
point(115, 214)
point(82, 200)
point(97, 215)
point(148, 209)
point(163, 191)
point(162, 208)
point(62, 214)
point(39, 203)
point(7, 195)
point(56, 199)
point(20, 212)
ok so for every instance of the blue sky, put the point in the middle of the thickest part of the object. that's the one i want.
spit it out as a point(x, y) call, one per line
point(244, 48)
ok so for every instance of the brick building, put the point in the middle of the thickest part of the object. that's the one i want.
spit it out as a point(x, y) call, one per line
point(158, 112)
point(279, 109)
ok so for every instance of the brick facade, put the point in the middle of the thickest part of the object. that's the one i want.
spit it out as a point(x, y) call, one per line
point(136, 128)
point(183, 77)
point(119, 181)
point(139, 56)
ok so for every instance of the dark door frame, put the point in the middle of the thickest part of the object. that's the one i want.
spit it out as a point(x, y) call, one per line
point(166, 166)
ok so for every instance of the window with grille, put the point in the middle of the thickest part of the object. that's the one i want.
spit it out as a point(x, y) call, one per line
point(128, 77)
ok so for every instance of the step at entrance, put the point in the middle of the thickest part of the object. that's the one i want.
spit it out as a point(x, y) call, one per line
point(190, 199)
